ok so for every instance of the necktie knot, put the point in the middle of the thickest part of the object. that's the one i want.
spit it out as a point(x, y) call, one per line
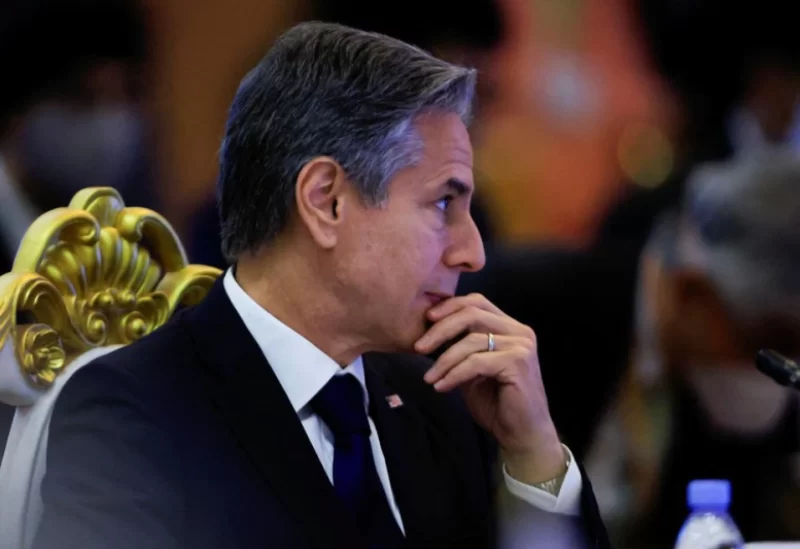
point(340, 404)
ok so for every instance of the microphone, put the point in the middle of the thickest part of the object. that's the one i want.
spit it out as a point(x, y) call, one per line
point(781, 369)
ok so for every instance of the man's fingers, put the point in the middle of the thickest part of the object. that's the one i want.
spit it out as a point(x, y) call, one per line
point(477, 365)
point(450, 306)
point(472, 343)
point(469, 319)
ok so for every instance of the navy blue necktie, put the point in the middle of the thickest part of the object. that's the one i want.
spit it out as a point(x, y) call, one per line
point(340, 404)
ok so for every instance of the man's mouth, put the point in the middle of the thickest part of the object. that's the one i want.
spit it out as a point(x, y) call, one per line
point(437, 297)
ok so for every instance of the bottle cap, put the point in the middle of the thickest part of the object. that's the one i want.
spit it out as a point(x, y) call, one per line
point(705, 494)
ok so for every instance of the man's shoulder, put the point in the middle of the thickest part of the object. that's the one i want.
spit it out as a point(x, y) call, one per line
point(151, 369)
point(145, 358)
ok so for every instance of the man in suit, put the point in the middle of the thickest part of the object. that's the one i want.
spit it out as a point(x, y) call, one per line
point(294, 407)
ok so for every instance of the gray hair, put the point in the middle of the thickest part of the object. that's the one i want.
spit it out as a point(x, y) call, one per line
point(741, 226)
point(326, 90)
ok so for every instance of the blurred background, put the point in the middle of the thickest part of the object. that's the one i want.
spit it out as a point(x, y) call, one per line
point(638, 189)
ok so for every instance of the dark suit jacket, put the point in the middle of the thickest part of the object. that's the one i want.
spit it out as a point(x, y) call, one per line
point(186, 439)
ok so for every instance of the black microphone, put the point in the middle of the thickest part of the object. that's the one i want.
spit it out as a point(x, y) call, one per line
point(781, 369)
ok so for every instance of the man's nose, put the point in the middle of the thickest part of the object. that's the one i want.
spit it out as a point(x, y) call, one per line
point(467, 253)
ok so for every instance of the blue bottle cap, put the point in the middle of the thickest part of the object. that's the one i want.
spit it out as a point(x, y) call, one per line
point(709, 494)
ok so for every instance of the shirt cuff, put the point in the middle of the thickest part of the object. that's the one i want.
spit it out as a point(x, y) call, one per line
point(568, 501)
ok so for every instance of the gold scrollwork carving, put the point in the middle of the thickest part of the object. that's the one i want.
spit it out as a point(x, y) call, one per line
point(40, 346)
point(93, 274)
point(41, 354)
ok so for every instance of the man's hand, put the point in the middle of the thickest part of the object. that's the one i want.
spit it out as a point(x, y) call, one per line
point(503, 388)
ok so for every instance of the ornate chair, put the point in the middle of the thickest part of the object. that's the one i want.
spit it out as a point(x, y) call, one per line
point(87, 279)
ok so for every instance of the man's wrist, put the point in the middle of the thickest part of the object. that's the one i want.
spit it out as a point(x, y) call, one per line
point(553, 486)
point(546, 464)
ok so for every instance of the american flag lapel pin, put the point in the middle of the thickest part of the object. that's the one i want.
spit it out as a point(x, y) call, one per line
point(394, 401)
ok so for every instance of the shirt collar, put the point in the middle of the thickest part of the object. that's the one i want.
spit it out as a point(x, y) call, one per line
point(301, 368)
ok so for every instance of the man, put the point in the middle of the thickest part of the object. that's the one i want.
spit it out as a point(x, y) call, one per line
point(719, 282)
point(738, 86)
point(279, 411)
point(69, 115)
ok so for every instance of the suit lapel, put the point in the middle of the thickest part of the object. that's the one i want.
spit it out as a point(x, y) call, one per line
point(417, 483)
point(250, 398)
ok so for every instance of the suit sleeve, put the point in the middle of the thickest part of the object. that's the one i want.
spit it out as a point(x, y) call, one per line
point(593, 523)
point(113, 479)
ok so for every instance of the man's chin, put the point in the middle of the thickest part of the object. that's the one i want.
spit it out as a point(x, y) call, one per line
point(408, 338)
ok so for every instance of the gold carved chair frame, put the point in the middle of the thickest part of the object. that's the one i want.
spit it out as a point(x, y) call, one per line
point(91, 275)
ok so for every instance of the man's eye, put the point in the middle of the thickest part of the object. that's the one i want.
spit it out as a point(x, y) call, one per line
point(443, 203)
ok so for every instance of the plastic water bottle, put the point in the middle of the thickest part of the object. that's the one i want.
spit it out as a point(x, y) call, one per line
point(709, 526)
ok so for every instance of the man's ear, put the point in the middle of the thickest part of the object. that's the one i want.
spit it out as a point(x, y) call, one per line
point(702, 325)
point(321, 197)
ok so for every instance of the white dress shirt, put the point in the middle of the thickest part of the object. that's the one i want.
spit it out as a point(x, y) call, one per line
point(303, 370)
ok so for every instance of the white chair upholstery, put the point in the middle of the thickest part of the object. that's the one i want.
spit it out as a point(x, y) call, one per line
point(25, 462)
point(87, 279)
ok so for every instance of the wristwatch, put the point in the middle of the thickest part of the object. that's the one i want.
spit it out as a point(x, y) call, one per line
point(553, 486)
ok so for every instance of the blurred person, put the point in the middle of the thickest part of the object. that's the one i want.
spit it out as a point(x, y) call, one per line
point(735, 72)
point(70, 107)
point(735, 76)
point(719, 281)
point(292, 407)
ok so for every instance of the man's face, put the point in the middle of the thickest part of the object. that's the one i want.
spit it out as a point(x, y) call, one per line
point(395, 262)
point(89, 133)
point(692, 325)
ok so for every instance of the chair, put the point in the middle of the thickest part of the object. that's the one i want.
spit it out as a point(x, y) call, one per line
point(86, 280)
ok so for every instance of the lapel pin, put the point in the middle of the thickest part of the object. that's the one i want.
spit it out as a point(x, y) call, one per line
point(394, 401)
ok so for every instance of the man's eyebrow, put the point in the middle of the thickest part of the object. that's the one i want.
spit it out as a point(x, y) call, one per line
point(458, 186)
